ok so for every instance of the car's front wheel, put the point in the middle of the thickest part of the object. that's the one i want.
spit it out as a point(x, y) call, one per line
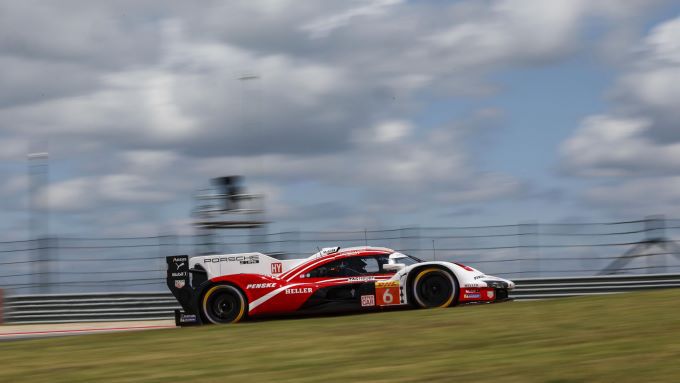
point(223, 304)
point(434, 287)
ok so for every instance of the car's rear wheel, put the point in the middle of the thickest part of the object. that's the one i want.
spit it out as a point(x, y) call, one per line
point(223, 304)
point(434, 287)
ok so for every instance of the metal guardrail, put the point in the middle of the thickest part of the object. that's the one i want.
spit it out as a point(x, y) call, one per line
point(544, 288)
point(59, 308)
point(96, 307)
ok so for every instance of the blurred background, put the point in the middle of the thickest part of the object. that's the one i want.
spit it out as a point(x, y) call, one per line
point(529, 139)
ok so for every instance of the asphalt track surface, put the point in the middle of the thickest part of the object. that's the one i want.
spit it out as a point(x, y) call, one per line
point(34, 331)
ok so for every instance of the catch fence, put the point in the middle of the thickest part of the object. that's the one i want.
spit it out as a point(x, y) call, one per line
point(61, 265)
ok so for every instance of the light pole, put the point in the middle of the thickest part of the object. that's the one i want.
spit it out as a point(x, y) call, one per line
point(38, 171)
point(249, 109)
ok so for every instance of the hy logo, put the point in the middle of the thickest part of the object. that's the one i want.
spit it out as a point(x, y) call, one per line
point(277, 268)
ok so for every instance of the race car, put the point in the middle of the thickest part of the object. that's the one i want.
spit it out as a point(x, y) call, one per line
point(232, 287)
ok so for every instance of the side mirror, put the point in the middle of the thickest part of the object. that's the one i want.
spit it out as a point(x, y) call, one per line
point(393, 266)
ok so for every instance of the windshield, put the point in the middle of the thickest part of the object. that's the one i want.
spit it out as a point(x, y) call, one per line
point(407, 260)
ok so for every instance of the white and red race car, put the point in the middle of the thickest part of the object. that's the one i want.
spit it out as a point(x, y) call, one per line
point(231, 287)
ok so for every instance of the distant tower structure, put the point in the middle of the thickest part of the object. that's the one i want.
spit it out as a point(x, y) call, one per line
point(228, 205)
point(655, 248)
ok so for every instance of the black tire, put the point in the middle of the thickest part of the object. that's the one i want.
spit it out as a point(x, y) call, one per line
point(434, 287)
point(223, 304)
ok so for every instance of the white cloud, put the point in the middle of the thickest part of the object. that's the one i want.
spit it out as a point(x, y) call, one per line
point(635, 146)
point(655, 88)
point(166, 120)
point(71, 195)
point(14, 185)
point(638, 197)
point(13, 148)
point(640, 136)
point(325, 25)
point(386, 132)
point(651, 85)
point(610, 146)
point(79, 194)
point(664, 42)
point(515, 31)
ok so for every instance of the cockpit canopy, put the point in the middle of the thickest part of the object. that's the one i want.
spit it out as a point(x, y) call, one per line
point(400, 258)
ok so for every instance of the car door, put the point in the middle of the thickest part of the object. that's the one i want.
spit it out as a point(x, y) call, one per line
point(346, 282)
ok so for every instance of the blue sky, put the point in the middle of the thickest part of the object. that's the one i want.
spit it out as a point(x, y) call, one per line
point(364, 114)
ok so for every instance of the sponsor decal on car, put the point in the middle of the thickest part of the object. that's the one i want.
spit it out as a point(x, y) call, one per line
point(387, 293)
point(277, 268)
point(367, 300)
point(360, 279)
point(304, 290)
point(472, 296)
point(329, 250)
point(188, 318)
point(242, 259)
point(260, 285)
point(385, 284)
point(179, 283)
point(354, 252)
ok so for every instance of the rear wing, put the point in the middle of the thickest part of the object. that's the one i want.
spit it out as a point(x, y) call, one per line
point(178, 279)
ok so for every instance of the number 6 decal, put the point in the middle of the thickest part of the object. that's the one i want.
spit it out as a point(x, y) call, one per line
point(386, 291)
point(387, 297)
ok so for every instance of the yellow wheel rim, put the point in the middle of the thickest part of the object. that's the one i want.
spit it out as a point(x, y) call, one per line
point(219, 287)
point(434, 269)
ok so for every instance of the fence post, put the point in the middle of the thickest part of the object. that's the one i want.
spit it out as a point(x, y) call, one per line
point(258, 239)
point(44, 266)
point(655, 231)
point(55, 266)
point(167, 245)
point(290, 244)
point(528, 243)
point(204, 243)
